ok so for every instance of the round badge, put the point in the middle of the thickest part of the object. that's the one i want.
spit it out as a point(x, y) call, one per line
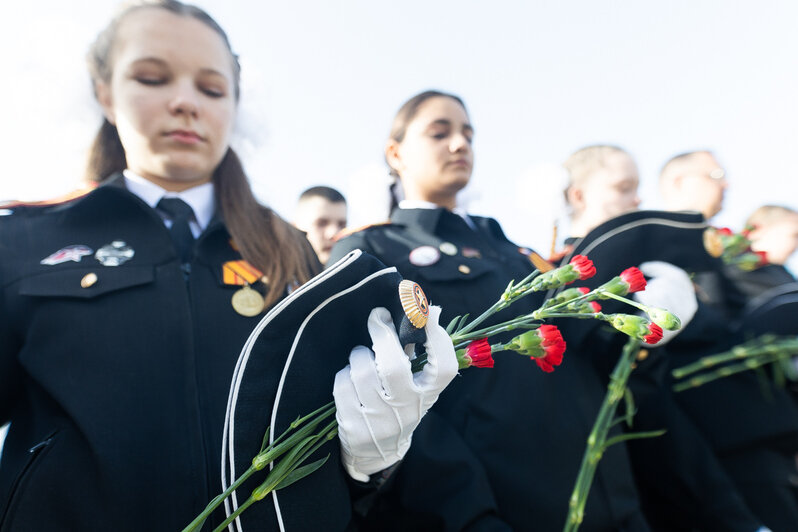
point(712, 242)
point(247, 302)
point(414, 303)
point(424, 256)
point(448, 248)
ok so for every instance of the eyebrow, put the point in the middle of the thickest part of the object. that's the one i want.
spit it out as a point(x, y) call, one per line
point(160, 62)
point(445, 122)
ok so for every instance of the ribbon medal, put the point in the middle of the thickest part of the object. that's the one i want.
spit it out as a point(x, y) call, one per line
point(246, 301)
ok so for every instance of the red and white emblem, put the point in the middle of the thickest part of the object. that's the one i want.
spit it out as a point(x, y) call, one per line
point(70, 253)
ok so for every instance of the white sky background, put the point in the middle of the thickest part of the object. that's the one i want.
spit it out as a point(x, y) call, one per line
point(322, 81)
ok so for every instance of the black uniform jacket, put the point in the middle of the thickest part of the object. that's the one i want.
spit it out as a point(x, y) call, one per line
point(502, 447)
point(115, 377)
point(682, 483)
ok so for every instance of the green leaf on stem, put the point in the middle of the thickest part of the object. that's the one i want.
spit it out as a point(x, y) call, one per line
point(300, 473)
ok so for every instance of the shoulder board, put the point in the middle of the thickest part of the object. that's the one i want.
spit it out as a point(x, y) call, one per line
point(59, 200)
point(347, 231)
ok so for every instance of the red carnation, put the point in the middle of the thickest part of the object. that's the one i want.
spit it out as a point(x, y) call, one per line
point(725, 231)
point(654, 334)
point(583, 266)
point(480, 353)
point(583, 290)
point(763, 258)
point(476, 354)
point(553, 347)
point(634, 278)
point(595, 307)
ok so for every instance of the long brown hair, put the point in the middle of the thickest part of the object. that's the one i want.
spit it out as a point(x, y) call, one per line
point(403, 117)
point(261, 236)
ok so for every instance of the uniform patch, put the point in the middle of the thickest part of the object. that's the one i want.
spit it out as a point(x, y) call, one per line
point(69, 253)
point(114, 254)
point(448, 248)
point(424, 256)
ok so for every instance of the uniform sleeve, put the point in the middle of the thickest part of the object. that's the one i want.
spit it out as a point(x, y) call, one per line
point(11, 375)
point(678, 473)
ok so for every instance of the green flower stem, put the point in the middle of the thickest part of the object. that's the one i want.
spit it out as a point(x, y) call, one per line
point(597, 440)
point(511, 294)
point(624, 300)
point(731, 369)
point(294, 458)
point(198, 521)
point(283, 444)
point(764, 345)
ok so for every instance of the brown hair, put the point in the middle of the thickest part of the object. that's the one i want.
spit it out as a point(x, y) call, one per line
point(261, 236)
point(403, 117)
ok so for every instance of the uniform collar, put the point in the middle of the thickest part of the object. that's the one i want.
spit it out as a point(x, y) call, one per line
point(200, 198)
point(419, 205)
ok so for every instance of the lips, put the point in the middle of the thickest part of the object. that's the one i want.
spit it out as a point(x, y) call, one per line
point(185, 136)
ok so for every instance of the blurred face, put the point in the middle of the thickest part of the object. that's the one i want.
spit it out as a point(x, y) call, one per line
point(171, 97)
point(779, 239)
point(703, 185)
point(610, 191)
point(434, 160)
point(321, 219)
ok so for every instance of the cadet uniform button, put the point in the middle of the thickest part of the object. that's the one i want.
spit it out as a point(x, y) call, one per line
point(88, 280)
point(465, 270)
point(642, 355)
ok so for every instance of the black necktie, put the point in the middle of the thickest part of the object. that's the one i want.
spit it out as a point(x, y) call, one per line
point(180, 213)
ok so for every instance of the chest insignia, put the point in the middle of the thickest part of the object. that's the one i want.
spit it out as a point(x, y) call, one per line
point(69, 253)
point(448, 248)
point(424, 256)
point(471, 253)
point(114, 254)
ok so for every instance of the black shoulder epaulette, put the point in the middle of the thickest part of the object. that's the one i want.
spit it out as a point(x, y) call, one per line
point(347, 231)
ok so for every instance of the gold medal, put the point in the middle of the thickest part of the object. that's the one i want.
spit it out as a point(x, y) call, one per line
point(247, 302)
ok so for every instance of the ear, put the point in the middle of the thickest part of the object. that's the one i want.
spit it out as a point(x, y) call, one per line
point(575, 197)
point(103, 92)
point(392, 155)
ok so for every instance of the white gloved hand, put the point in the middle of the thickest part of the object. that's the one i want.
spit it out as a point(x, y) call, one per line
point(380, 401)
point(670, 288)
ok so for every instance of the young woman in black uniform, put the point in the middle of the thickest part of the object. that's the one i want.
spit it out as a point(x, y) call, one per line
point(502, 448)
point(118, 334)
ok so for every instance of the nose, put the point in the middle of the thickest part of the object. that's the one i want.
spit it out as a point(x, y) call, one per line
point(459, 142)
point(185, 100)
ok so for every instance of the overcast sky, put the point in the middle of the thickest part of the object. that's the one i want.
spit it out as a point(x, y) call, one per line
point(322, 81)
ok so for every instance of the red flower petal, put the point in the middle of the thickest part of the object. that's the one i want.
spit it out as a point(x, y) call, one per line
point(654, 335)
point(725, 231)
point(583, 290)
point(763, 258)
point(583, 266)
point(595, 306)
point(634, 278)
point(553, 345)
point(480, 353)
point(543, 364)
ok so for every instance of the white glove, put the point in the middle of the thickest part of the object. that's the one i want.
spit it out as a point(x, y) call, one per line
point(379, 401)
point(669, 287)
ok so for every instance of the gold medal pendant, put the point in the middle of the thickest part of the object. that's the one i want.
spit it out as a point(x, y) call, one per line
point(247, 302)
